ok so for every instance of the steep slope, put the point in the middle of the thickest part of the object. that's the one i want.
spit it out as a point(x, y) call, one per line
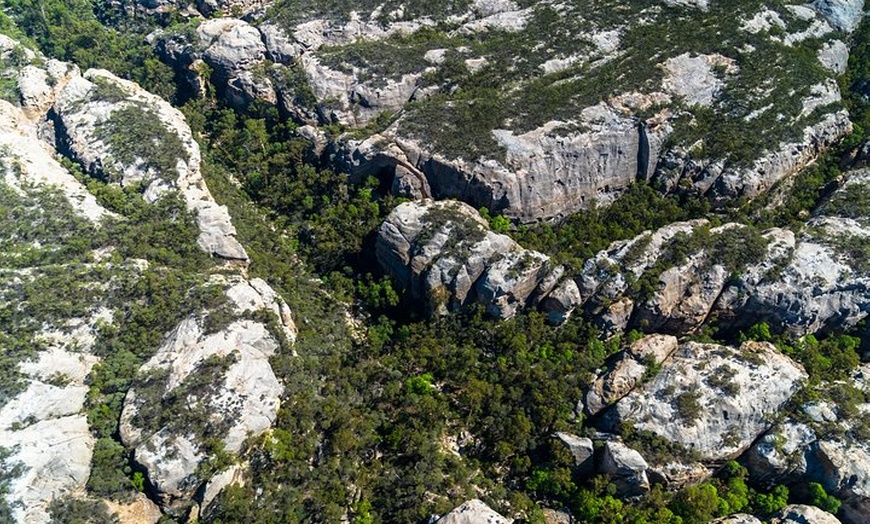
point(79, 304)
point(538, 110)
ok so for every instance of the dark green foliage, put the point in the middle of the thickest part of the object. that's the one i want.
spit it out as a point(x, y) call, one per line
point(71, 510)
point(139, 137)
point(585, 233)
point(109, 470)
point(688, 406)
point(69, 30)
point(39, 227)
point(185, 410)
point(815, 494)
point(326, 216)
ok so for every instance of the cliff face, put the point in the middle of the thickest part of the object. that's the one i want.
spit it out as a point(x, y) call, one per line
point(66, 264)
point(452, 95)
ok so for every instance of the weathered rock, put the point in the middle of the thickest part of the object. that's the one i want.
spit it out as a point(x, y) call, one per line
point(780, 453)
point(83, 108)
point(561, 302)
point(626, 467)
point(628, 371)
point(677, 475)
point(38, 165)
point(444, 255)
point(556, 516)
point(234, 475)
point(693, 79)
point(46, 430)
point(813, 283)
point(712, 399)
point(222, 384)
point(801, 514)
point(473, 512)
point(845, 15)
point(739, 518)
point(843, 469)
point(140, 511)
point(581, 449)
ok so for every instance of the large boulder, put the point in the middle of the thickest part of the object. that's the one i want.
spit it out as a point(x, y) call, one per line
point(626, 468)
point(444, 255)
point(474, 511)
point(628, 371)
point(815, 282)
point(715, 400)
point(207, 389)
point(581, 449)
point(801, 514)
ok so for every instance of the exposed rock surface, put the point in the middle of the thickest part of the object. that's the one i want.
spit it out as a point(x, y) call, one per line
point(825, 446)
point(228, 387)
point(47, 431)
point(715, 400)
point(801, 514)
point(225, 375)
point(370, 67)
point(473, 512)
point(628, 370)
point(444, 254)
point(816, 284)
point(581, 449)
point(739, 518)
point(627, 469)
point(84, 109)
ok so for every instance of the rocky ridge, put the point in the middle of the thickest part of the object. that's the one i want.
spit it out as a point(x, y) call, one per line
point(409, 82)
point(48, 441)
point(445, 256)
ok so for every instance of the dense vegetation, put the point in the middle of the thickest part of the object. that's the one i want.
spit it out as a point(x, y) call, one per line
point(404, 418)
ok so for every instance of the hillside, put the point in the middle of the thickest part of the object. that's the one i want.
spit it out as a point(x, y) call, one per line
point(453, 262)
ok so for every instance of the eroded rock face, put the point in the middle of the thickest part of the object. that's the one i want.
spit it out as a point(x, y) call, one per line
point(47, 431)
point(473, 512)
point(367, 68)
point(812, 283)
point(628, 370)
point(120, 132)
point(712, 399)
point(444, 255)
point(740, 518)
point(801, 514)
point(626, 467)
point(223, 386)
point(581, 449)
point(216, 360)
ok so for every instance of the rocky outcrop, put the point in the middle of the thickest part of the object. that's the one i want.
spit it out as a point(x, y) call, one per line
point(715, 400)
point(628, 370)
point(844, 15)
point(581, 450)
point(122, 133)
point(445, 256)
point(212, 375)
point(739, 518)
point(473, 512)
point(626, 468)
point(201, 387)
point(47, 431)
point(822, 443)
point(813, 283)
point(801, 514)
point(353, 68)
